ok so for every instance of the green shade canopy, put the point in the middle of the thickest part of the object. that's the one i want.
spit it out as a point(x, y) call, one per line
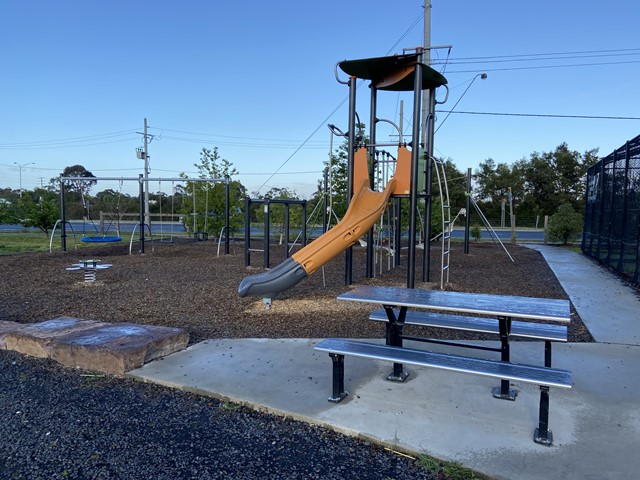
point(395, 73)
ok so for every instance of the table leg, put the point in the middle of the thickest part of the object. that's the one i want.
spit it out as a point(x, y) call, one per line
point(394, 339)
point(503, 391)
point(543, 435)
point(339, 393)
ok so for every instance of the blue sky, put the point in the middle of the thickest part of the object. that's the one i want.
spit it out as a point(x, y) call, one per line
point(256, 79)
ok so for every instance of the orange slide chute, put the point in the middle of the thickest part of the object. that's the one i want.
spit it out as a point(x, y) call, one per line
point(365, 208)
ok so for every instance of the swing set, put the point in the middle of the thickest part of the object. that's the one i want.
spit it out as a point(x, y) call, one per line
point(142, 227)
point(102, 235)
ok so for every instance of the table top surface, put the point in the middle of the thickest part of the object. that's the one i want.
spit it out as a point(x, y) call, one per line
point(473, 303)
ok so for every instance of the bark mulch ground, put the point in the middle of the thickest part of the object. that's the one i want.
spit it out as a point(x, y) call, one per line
point(185, 284)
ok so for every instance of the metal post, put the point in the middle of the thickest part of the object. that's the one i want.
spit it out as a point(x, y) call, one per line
point(325, 212)
point(426, 59)
point(141, 191)
point(503, 391)
point(413, 194)
point(227, 205)
point(397, 208)
point(304, 223)
point(63, 217)
point(542, 434)
point(372, 154)
point(195, 225)
point(147, 217)
point(625, 201)
point(286, 230)
point(428, 148)
point(247, 231)
point(266, 233)
point(338, 393)
point(348, 269)
point(467, 206)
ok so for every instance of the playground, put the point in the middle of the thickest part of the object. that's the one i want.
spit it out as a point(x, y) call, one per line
point(186, 284)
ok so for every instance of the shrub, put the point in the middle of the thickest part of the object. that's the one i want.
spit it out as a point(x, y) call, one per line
point(565, 225)
point(476, 232)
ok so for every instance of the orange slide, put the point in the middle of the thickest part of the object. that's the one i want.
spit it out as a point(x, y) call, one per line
point(365, 208)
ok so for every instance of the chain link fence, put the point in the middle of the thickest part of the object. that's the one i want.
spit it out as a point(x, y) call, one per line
point(612, 215)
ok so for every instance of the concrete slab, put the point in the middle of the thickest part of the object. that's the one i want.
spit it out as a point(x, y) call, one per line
point(116, 348)
point(6, 328)
point(92, 345)
point(607, 306)
point(34, 339)
point(596, 425)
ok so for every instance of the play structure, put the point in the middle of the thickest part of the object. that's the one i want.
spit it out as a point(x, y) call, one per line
point(266, 232)
point(411, 179)
point(112, 232)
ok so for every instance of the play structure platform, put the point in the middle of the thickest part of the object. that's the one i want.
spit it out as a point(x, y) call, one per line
point(113, 348)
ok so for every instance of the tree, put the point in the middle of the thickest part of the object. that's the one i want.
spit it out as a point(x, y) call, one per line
point(276, 210)
point(8, 205)
point(558, 177)
point(39, 209)
point(338, 174)
point(81, 186)
point(494, 184)
point(209, 197)
point(565, 225)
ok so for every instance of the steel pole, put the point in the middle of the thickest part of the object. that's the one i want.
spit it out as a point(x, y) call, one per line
point(415, 154)
point(467, 206)
point(348, 257)
point(371, 168)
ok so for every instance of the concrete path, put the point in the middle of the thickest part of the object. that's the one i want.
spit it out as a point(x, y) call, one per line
point(608, 307)
point(596, 424)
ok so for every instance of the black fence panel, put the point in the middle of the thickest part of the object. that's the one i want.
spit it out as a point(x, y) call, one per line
point(612, 214)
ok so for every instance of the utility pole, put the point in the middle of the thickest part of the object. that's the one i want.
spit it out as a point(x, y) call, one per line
point(143, 154)
point(428, 114)
point(147, 218)
point(427, 61)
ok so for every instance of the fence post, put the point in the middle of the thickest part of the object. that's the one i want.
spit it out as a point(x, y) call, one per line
point(546, 229)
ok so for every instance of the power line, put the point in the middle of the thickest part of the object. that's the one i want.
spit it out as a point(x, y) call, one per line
point(582, 53)
point(261, 139)
point(543, 115)
point(57, 146)
point(316, 145)
point(468, 62)
point(539, 67)
point(70, 141)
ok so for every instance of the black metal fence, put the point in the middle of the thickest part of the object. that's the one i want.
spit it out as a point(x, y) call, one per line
point(612, 215)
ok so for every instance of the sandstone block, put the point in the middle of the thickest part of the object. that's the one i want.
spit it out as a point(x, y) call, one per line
point(116, 348)
point(34, 339)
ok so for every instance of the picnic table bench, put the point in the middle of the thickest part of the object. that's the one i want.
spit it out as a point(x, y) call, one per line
point(461, 314)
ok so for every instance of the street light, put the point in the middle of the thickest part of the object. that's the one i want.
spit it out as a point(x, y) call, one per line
point(20, 167)
point(483, 76)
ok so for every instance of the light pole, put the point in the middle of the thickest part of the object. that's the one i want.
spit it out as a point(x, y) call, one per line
point(483, 76)
point(20, 167)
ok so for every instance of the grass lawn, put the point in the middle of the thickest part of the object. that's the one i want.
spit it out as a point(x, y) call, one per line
point(20, 242)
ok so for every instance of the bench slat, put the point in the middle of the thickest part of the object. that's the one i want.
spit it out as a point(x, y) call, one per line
point(541, 331)
point(551, 377)
point(472, 303)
